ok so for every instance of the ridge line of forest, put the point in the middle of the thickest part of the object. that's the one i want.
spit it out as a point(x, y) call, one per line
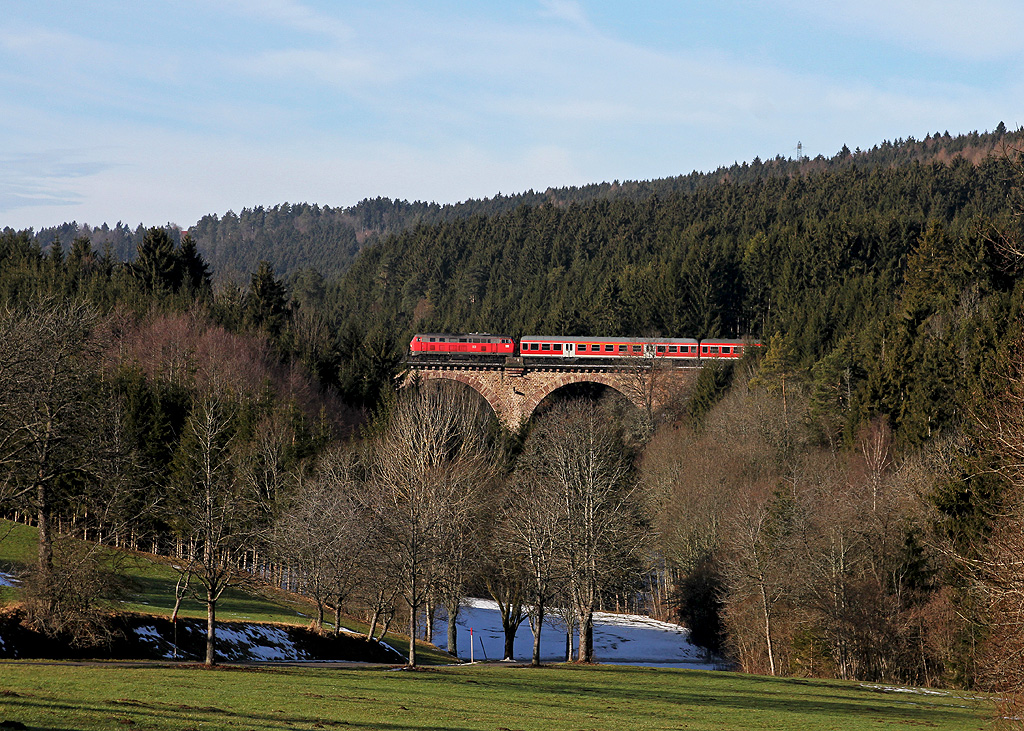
point(304, 235)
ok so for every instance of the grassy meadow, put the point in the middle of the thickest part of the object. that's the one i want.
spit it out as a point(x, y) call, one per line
point(103, 696)
point(148, 588)
point(149, 582)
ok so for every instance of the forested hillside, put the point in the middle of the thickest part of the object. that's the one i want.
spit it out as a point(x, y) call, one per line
point(309, 236)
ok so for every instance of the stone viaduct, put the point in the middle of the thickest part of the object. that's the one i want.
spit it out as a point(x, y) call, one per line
point(514, 390)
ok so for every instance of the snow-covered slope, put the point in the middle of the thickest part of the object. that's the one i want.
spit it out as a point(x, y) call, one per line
point(618, 638)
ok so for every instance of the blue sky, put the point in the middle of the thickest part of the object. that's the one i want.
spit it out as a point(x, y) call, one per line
point(166, 110)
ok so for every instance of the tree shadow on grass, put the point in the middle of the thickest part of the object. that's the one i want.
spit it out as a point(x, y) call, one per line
point(126, 713)
point(726, 692)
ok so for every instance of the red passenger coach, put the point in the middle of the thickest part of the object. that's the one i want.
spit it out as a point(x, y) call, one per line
point(556, 346)
point(676, 348)
point(724, 349)
point(572, 346)
point(427, 344)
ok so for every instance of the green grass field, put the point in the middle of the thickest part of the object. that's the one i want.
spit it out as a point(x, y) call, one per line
point(465, 698)
point(151, 582)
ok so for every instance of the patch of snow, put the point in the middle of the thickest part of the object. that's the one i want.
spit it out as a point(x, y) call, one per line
point(386, 646)
point(148, 633)
point(897, 689)
point(627, 639)
point(259, 642)
point(152, 635)
point(8, 580)
point(702, 665)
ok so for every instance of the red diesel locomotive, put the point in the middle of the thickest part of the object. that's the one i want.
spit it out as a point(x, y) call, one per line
point(472, 344)
point(486, 346)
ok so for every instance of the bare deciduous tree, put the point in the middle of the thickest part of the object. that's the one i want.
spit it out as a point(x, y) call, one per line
point(51, 412)
point(215, 511)
point(998, 571)
point(427, 470)
point(62, 450)
point(527, 535)
point(506, 583)
point(756, 565)
point(576, 451)
point(325, 534)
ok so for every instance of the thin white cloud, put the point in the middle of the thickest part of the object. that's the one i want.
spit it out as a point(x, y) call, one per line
point(569, 11)
point(292, 14)
point(334, 67)
point(981, 30)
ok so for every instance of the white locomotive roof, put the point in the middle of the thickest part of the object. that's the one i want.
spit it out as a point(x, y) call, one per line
point(459, 335)
point(589, 339)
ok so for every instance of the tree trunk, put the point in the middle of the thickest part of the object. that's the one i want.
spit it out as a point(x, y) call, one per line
point(412, 636)
point(337, 620)
point(453, 633)
point(384, 627)
point(211, 627)
point(586, 650)
point(373, 622)
point(510, 641)
point(535, 661)
point(45, 535)
point(768, 630)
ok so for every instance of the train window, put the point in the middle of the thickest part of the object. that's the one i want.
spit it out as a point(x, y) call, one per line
point(581, 348)
point(673, 348)
point(636, 348)
point(714, 348)
point(726, 350)
point(622, 348)
point(432, 340)
point(609, 348)
point(661, 348)
point(558, 347)
point(546, 346)
point(463, 340)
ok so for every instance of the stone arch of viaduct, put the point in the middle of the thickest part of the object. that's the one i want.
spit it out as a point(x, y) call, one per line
point(514, 392)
